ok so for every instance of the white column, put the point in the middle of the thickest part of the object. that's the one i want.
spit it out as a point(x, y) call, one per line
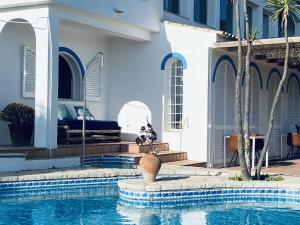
point(46, 89)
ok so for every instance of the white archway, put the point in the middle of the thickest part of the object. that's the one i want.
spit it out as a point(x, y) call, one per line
point(16, 36)
point(132, 116)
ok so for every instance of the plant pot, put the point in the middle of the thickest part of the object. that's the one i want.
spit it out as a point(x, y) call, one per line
point(150, 166)
point(21, 135)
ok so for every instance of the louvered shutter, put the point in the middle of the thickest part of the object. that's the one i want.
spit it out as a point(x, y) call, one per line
point(220, 97)
point(275, 142)
point(296, 105)
point(219, 121)
point(293, 105)
point(94, 81)
point(28, 73)
point(230, 97)
point(224, 91)
point(254, 100)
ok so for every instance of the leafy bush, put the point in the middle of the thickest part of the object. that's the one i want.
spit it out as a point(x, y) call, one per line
point(273, 178)
point(236, 178)
point(266, 177)
point(18, 114)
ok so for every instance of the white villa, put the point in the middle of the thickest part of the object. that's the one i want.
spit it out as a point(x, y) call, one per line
point(171, 61)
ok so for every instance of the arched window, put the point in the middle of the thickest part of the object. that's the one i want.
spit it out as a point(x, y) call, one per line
point(174, 95)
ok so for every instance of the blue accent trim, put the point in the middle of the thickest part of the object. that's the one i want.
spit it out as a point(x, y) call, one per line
point(252, 64)
point(75, 56)
point(293, 75)
point(223, 58)
point(173, 55)
point(273, 71)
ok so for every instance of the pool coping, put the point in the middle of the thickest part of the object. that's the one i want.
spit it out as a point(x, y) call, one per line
point(185, 191)
point(92, 172)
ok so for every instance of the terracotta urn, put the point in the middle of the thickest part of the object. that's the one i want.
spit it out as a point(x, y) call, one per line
point(150, 165)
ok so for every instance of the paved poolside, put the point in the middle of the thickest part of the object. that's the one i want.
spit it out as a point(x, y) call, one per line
point(92, 172)
point(284, 167)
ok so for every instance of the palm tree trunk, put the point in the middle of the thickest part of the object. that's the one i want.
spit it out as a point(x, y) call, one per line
point(243, 167)
point(276, 98)
point(247, 91)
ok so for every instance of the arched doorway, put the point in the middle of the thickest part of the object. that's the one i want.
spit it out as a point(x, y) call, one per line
point(65, 79)
point(69, 79)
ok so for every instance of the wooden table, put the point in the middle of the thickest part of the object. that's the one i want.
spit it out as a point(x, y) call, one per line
point(253, 138)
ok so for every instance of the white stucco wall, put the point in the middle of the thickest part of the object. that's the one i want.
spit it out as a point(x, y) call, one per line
point(133, 10)
point(135, 75)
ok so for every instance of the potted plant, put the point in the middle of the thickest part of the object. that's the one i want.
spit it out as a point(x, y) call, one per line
point(20, 120)
point(149, 164)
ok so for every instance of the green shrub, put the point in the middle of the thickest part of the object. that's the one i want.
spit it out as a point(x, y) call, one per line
point(266, 177)
point(273, 178)
point(236, 178)
point(18, 114)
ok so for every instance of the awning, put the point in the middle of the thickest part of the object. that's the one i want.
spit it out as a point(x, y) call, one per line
point(271, 50)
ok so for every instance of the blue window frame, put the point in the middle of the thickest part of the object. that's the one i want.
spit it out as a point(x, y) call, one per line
point(172, 6)
point(200, 11)
point(291, 27)
point(250, 18)
point(265, 26)
point(226, 15)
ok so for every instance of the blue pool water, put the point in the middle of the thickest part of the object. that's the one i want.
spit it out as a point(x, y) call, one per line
point(89, 205)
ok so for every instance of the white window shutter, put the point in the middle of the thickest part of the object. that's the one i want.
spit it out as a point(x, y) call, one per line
point(254, 100)
point(230, 96)
point(219, 92)
point(94, 81)
point(224, 88)
point(275, 142)
point(28, 73)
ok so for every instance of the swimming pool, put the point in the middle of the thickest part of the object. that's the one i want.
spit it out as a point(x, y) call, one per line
point(100, 204)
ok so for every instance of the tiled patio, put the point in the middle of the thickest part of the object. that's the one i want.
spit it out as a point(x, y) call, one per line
point(284, 167)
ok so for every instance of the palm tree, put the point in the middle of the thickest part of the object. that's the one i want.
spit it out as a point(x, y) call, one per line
point(247, 89)
point(243, 166)
point(285, 9)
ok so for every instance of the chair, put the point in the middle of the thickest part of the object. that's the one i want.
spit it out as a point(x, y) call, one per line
point(233, 146)
point(293, 141)
point(259, 145)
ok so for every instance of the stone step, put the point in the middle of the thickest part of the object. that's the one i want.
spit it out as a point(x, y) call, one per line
point(187, 163)
point(134, 148)
point(164, 156)
point(171, 156)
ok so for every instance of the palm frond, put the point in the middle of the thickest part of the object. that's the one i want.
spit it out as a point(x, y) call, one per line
point(278, 8)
